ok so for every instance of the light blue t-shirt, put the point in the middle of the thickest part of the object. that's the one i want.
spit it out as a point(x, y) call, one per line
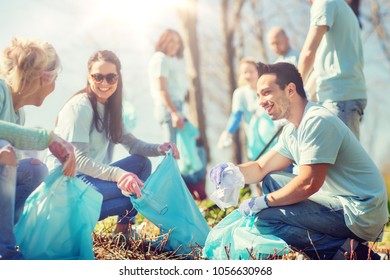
point(172, 69)
point(7, 112)
point(352, 176)
point(339, 58)
point(292, 56)
point(75, 124)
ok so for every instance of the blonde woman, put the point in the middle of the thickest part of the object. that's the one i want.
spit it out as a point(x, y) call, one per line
point(28, 73)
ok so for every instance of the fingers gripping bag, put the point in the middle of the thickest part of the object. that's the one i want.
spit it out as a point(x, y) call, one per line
point(58, 219)
point(168, 204)
point(237, 238)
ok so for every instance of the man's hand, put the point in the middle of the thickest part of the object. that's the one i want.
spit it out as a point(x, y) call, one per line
point(216, 173)
point(253, 205)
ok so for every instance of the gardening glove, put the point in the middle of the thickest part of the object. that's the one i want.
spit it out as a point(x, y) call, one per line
point(130, 184)
point(225, 140)
point(165, 147)
point(228, 180)
point(253, 205)
point(64, 152)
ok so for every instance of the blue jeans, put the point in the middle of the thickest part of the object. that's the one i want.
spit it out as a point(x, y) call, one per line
point(349, 111)
point(114, 202)
point(16, 184)
point(314, 226)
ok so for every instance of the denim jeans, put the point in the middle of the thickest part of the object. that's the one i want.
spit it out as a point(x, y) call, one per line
point(114, 202)
point(16, 184)
point(349, 111)
point(314, 226)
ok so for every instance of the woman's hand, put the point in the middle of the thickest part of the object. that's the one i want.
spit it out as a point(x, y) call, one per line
point(64, 152)
point(130, 183)
point(177, 120)
point(165, 147)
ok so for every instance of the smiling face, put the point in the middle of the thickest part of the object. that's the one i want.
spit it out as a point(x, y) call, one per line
point(103, 90)
point(272, 98)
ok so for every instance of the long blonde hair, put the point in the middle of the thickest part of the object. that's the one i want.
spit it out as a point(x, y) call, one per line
point(241, 81)
point(25, 61)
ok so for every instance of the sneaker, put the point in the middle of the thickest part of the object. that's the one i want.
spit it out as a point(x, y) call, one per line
point(355, 250)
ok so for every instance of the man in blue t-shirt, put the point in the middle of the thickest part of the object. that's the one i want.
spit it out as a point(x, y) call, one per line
point(333, 47)
point(338, 197)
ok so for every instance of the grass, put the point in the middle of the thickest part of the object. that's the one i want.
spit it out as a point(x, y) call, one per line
point(148, 244)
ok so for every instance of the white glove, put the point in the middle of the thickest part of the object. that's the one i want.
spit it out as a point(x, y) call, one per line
point(225, 140)
point(229, 181)
point(253, 205)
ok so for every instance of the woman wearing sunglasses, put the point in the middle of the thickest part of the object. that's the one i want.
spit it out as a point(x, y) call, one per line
point(92, 121)
point(28, 73)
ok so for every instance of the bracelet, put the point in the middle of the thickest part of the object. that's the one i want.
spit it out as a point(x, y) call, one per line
point(265, 200)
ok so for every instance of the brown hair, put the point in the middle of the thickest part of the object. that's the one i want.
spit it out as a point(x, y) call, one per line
point(165, 39)
point(112, 122)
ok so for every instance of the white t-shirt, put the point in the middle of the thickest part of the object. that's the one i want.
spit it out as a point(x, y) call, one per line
point(352, 176)
point(173, 70)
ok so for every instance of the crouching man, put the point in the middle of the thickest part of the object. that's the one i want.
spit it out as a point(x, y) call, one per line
point(337, 202)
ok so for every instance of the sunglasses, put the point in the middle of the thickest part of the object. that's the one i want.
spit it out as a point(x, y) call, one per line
point(111, 78)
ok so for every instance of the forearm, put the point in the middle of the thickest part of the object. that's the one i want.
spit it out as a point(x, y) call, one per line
point(305, 64)
point(139, 147)
point(234, 121)
point(309, 181)
point(89, 167)
point(24, 138)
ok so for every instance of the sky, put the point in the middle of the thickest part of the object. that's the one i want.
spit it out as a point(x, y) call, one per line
point(130, 28)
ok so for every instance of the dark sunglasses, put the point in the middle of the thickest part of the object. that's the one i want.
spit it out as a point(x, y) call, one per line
point(111, 78)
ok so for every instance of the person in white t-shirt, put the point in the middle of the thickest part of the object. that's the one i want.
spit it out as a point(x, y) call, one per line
point(168, 83)
point(92, 121)
point(336, 203)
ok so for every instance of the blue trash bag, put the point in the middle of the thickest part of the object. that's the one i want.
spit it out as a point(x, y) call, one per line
point(168, 204)
point(58, 219)
point(199, 175)
point(259, 132)
point(189, 162)
point(241, 236)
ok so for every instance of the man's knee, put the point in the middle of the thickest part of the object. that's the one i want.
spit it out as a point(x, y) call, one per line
point(7, 154)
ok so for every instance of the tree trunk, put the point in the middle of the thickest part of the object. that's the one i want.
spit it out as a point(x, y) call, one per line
point(230, 57)
point(187, 13)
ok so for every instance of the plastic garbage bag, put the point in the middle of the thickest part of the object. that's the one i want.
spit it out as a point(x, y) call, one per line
point(238, 235)
point(189, 162)
point(168, 204)
point(58, 219)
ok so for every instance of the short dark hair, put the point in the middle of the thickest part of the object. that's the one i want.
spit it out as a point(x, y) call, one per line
point(285, 73)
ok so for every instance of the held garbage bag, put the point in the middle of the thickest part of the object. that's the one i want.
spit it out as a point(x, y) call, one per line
point(189, 162)
point(168, 204)
point(240, 235)
point(58, 219)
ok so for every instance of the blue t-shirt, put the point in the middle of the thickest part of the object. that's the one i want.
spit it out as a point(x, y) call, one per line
point(339, 58)
point(7, 112)
point(352, 176)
